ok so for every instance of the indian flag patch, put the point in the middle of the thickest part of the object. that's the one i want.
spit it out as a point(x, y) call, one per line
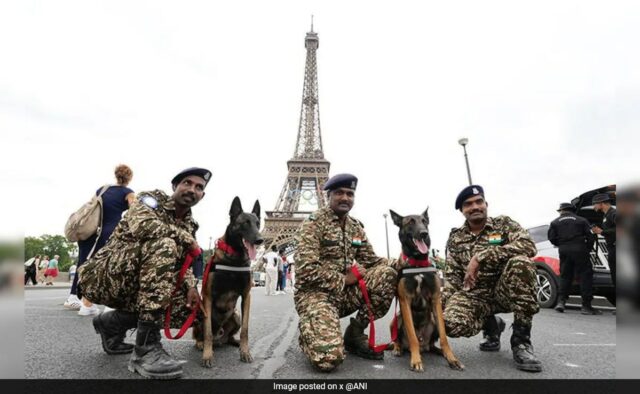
point(495, 239)
point(356, 242)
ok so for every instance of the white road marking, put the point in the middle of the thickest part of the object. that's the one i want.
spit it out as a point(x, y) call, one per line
point(580, 333)
point(584, 344)
point(572, 365)
point(378, 366)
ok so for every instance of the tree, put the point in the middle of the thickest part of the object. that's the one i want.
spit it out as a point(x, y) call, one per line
point(51, 245)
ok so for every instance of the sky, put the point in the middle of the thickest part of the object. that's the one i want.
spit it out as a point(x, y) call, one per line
point(547, 93)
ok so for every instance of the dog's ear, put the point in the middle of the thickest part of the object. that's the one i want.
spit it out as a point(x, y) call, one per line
point(425, 214)
point(397, 219)
point(256, 209)
point(236, 208)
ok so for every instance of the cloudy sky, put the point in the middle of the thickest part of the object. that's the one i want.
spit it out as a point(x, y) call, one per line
point(547, 92)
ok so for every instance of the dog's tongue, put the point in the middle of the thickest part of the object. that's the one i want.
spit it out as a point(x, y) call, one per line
point(251, 249)
point(422, 247)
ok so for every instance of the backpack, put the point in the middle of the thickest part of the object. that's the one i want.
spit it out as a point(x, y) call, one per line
point(87, 220)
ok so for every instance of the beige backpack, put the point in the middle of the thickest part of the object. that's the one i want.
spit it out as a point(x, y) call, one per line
point(87, 220)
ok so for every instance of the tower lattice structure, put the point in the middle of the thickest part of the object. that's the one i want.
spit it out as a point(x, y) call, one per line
point(308, 170)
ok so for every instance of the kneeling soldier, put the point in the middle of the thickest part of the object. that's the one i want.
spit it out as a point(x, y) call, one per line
point(329, 243)
point(136, 273)
point(489, 270)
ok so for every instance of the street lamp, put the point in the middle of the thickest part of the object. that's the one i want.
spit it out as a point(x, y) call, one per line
point(464, 142)
point(386, 231)
point(210, 239)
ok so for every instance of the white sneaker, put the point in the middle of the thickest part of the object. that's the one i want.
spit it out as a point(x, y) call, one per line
point(90, 311)
point(73, 302)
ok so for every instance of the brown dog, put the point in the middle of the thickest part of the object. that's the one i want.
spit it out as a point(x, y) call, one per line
point(228, 279)
point(420, 322)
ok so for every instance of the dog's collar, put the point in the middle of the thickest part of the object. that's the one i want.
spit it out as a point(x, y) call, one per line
point(416, 262)
point(220, 267)
point(222, 245)
point(418, 270)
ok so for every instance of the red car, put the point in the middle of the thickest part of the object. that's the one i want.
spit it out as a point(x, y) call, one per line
point(548, 263)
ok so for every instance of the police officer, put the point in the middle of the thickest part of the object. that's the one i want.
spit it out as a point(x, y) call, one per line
point(136, 272)
point(329, 244)
point(489, 270)
point(572, 235)
point(602, 203)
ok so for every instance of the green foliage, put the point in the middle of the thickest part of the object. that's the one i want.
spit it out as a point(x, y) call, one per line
point(51, 245)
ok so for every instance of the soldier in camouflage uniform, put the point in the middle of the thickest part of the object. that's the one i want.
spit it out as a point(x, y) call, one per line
point(489, 270)
point(329, 243)
point(136, 273)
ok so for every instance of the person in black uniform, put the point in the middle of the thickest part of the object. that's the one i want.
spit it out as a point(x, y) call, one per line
point(573, 237)
point(602, 203)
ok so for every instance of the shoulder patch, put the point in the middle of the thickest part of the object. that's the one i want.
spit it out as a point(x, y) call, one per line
point(149, 201)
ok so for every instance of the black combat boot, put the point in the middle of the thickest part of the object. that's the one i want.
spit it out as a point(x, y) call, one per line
point(560, 306)
point(491, 331)
point(356, 342)
point(587, 309)
point(523, 350)
point(149, 359)
point(112, 327)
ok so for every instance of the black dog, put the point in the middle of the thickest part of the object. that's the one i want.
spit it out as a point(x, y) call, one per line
point(421, 321)
point(228, 279)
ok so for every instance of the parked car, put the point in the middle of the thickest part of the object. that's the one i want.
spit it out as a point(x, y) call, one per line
point(548, 262)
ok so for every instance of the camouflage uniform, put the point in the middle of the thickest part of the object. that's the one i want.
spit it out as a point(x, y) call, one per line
point(325, 251)
point(137, 270)
point(506, 278)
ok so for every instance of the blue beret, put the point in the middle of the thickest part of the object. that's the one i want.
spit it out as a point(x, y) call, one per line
point(602, 197)
point(341, 180)
point(469, 191)
point(201, 172)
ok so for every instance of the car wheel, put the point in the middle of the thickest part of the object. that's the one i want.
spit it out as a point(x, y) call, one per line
point(547, 289)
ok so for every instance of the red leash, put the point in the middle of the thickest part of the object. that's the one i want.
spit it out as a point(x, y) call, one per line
point(220, 244)
point(167, 319)
point(372, 327)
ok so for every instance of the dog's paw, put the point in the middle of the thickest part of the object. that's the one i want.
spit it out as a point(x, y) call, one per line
point(416, 366)
point(456, 364)
point(397, 351)
point(207, 362)
point(199, 345)
point(245, 356)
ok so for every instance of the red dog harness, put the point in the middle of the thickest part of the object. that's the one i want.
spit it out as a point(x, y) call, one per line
point(226, 248)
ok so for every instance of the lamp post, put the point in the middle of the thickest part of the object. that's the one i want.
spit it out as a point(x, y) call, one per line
point(464, 142)
point(210, 239)
point(386, 232)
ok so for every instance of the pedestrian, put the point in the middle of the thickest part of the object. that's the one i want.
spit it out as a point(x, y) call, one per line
point(31, 270)
point(330, 244)
point(489, 270)
point(115, 200)
point(602, 203)
point(271, 271)
point(285, 270)
point(136, 273)
point(279, 278)
point(291, 276)
point(574, 239)
point(72, 272)
point(42, 268)
point(52, 270)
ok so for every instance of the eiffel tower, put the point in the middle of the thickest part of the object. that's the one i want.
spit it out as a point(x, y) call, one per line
point(308, 170)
